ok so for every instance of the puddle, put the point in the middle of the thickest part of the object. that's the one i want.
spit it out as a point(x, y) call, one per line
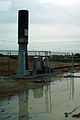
point(49, 102)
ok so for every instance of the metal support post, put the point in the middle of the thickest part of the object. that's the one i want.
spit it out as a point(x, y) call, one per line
point(72, 63)
point(9, 53)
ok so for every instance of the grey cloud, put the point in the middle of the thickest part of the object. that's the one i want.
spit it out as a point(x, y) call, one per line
point(42, 13)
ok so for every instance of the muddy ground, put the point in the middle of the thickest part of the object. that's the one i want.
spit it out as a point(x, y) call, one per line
point(11, 86)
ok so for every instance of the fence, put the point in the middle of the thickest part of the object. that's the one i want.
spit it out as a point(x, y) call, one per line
point(60, 62)
point(8, 62)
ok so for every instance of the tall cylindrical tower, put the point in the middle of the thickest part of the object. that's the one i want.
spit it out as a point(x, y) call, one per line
point(23, 20)
point(23, 27)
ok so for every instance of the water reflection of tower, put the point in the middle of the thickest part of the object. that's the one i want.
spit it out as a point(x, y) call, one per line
point(44, 93)
point(72, 88)
point(23, 106)
point(46, 99)
point(38, 92)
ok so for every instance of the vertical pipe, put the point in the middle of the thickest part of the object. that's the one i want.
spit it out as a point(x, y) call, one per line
point(9, 53)
point(26, 60)
point(72, 63)
point(49, 59)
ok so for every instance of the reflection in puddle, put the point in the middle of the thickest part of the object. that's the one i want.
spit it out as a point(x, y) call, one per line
point(23, 106)
point(48, 102)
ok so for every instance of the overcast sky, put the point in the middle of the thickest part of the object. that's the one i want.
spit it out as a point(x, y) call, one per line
point(50, 21)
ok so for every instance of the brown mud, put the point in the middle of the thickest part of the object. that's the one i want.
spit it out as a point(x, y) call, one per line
point(76, 115)
point(9, 86)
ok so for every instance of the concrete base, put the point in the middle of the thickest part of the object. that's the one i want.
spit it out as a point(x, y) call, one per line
point(22, 61)
point(26, 73)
